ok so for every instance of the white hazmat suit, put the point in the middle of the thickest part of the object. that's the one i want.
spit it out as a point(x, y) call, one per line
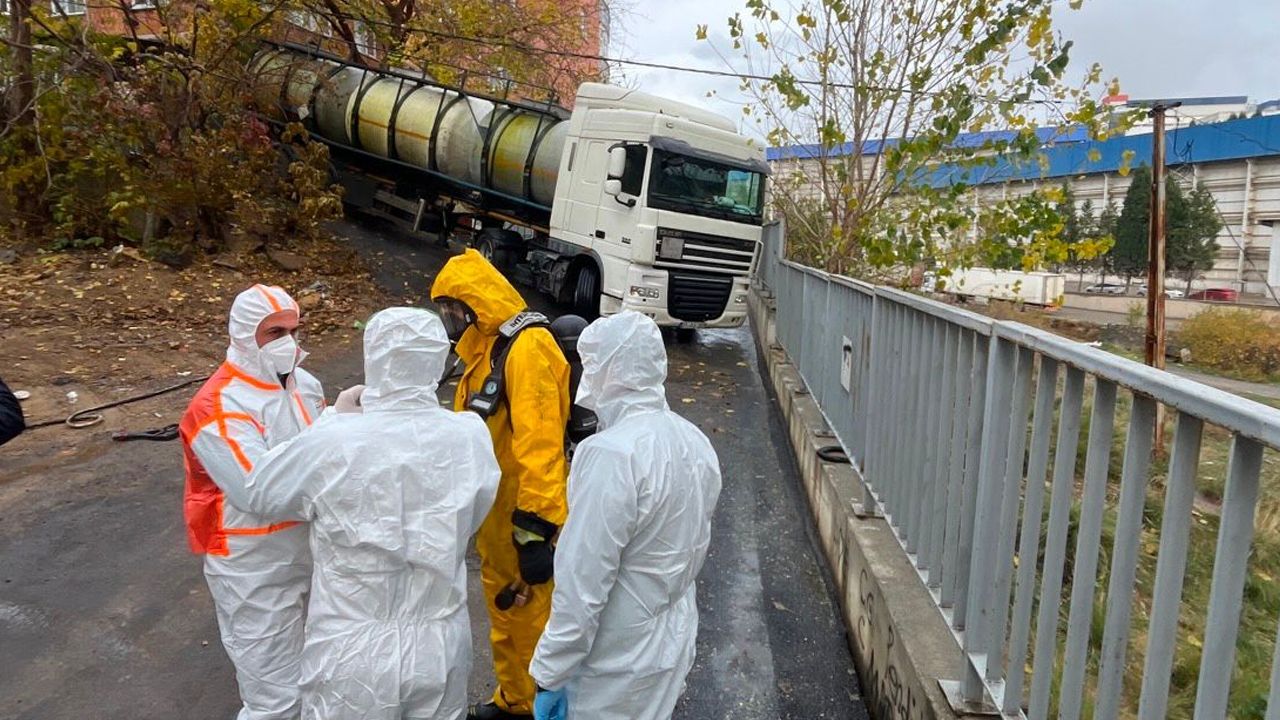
point(258, 570)
point(392, 496)
point(624, 617)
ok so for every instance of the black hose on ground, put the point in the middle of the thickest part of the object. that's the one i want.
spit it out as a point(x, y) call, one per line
point(92, 416)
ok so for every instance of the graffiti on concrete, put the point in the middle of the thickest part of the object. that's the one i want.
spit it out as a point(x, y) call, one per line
point(889, 695)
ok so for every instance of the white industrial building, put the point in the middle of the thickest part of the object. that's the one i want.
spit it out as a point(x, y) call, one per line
point(1238, 161)
point(1189, 111)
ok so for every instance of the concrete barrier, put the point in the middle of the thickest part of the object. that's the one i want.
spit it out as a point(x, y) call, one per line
point(900, 641)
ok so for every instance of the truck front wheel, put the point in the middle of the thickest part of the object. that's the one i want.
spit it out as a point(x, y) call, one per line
point(586, 293)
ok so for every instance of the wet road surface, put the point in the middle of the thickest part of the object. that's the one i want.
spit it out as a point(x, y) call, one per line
point(104, 613)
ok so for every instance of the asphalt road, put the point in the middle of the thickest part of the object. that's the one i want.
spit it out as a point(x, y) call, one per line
point(104, 613)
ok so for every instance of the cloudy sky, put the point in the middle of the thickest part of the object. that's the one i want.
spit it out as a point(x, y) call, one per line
point(1158, 48)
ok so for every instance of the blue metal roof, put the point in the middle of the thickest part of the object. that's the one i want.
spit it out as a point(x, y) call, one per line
point(966, 140)
point(1213, 142)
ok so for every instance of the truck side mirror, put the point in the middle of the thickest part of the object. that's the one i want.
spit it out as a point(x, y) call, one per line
point(613, 186)
point(617, 162)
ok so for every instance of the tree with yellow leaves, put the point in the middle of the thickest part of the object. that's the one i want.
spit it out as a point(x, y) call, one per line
point(889, 108)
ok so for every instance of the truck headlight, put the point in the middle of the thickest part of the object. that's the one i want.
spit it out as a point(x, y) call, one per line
point(740, 299)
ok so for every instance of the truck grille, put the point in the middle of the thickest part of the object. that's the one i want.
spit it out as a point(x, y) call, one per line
point(698, 297)
point(683, 250)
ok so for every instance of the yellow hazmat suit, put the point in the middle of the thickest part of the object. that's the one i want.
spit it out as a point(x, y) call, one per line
point(528, 438)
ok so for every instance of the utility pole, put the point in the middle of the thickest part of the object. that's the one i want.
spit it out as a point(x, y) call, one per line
point(1155, 258)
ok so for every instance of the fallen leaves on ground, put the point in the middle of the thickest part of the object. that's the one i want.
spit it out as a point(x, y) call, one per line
point(81, 316)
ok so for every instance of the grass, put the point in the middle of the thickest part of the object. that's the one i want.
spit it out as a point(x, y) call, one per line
point(1255, 643)
point(1137, 356)
point(1088, 332)
point(1241, 342)
point(1273, 402)
point(1231, 374)
point(1036, 317)
point(1261, 602)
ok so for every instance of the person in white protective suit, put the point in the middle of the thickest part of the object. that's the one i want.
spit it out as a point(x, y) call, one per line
point(258, 570)
point(392, 495)
point(642, 491)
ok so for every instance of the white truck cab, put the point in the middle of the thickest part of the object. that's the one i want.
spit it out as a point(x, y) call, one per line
point(668, 198)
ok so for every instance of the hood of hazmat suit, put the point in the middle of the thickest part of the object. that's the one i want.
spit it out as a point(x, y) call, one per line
point(528, 430)
point(248, 311)
point(642, 491)
point(258, 567)
point(392, 495)
point(471, 279)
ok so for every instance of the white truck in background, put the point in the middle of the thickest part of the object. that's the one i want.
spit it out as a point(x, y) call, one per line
point(1033, 288)
point(630, 201)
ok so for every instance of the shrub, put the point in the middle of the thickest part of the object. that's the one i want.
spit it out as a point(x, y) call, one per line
point(155, 146)
point(1239, 341)
point(1136, 315)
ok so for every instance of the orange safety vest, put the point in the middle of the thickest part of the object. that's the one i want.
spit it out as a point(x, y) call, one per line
point(203, 499)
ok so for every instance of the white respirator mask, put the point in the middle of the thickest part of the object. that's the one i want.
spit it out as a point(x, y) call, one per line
point(283, 355)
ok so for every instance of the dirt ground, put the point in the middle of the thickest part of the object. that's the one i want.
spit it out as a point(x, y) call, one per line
point(86, 328)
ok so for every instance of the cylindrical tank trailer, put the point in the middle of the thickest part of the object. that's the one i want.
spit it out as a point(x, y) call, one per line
point(490, 145)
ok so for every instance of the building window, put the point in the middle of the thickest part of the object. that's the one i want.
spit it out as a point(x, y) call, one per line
point(307, 21)
point(605, 20)
point(142, 5)
point(500, 81)
point(68, 7)
point(366, 42)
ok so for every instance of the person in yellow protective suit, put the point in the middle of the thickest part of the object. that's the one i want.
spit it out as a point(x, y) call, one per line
point(477, 305)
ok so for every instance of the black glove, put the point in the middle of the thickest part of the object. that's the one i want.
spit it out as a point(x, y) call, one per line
point(534, 551)
point(537, 561)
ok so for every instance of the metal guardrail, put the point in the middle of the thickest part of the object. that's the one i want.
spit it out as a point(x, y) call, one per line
point(933, 405)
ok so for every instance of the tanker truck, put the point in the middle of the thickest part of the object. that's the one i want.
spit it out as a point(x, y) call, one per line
point(629, 201)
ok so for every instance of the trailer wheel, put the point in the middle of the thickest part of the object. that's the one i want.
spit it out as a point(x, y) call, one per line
point(586, 293)
point(495, 245)
point(486, 246)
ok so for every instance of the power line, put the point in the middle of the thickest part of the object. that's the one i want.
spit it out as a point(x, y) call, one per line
point(1245, 252)
point(1242, 136)
point(499, 42)
point(1229, 131)
point(1185, 156)
point(674, 68)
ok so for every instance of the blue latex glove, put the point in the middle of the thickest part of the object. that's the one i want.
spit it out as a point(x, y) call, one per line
point(550, 705)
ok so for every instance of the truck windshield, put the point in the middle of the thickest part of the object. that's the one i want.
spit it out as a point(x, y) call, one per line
point(707, 188)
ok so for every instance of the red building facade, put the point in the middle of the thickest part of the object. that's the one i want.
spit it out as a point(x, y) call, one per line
point(579, 28)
